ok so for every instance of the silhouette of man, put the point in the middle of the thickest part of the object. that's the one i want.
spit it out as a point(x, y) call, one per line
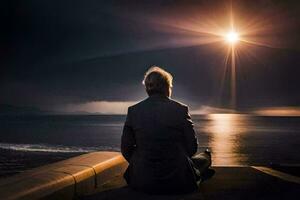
point(159, 141)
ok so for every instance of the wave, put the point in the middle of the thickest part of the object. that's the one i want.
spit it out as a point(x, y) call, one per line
point(54, 148)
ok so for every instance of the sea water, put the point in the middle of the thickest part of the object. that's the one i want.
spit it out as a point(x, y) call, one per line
point(234, 139)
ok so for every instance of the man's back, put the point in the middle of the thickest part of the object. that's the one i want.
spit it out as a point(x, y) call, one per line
point(158, 141)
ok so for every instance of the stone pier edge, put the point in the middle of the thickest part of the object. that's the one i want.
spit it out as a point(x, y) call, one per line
point(68, 179)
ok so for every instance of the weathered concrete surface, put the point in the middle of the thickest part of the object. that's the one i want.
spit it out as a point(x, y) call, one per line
point(85, 174)
point(38, 186)
point(101, 173)
point(228, 183)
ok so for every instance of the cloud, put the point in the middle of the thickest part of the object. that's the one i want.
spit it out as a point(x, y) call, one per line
point(278, 111)
point(120, 107)
point(203, 110)
point(102, 107)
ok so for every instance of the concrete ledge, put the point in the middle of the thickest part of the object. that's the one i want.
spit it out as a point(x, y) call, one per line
point(228, 183)
point(81, 175)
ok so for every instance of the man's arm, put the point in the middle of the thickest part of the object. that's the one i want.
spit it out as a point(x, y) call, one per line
point(191, 142)
point(128, 143)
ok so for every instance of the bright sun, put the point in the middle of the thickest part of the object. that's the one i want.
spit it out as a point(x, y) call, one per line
point(232, 37)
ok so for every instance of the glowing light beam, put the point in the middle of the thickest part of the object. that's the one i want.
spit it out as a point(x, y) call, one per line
point(232, 37)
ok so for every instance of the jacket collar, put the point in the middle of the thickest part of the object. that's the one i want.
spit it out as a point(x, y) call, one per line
point(158, 96)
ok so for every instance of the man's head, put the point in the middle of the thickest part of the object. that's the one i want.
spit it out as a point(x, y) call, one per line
point(158, 81)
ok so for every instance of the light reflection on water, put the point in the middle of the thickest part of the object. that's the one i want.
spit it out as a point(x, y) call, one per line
point(241, 139)
point(235, 139)
point(224, 143)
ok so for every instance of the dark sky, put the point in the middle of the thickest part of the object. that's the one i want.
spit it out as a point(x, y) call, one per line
point(59, 52)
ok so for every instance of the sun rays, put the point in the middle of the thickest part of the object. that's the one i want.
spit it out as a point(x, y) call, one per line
point(236, 35)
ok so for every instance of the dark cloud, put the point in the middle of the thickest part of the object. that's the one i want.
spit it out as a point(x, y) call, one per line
point(58, 52)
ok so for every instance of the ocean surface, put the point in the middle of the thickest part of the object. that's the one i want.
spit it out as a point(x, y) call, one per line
point(234, 139)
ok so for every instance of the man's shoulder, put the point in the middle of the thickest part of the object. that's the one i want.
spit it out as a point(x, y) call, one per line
point(173, 103)
point(137, 105)
point(178, 104)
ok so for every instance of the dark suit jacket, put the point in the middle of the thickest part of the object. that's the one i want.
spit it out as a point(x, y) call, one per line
point(158, 141)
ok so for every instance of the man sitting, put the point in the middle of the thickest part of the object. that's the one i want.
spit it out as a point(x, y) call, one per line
point(159, 141)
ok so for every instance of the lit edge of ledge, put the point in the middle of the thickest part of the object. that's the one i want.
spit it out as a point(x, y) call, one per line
point(77, 176)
